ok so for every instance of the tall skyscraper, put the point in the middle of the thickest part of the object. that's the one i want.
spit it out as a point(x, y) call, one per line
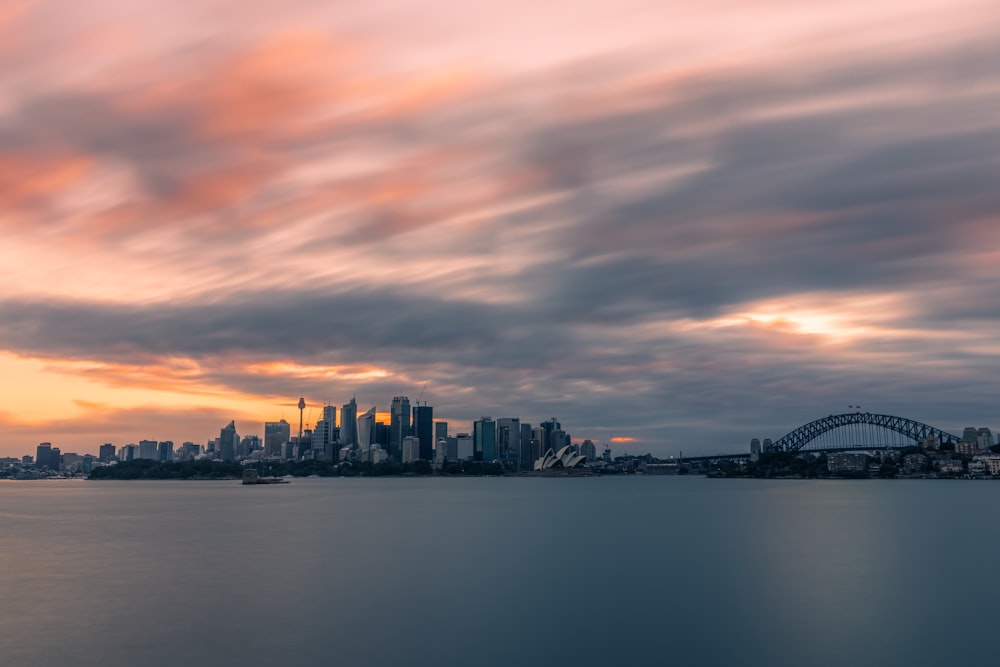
point(484, 439)
point(106, 452)
point(276, 434)
point(323, 431)
point(366, 430)
point(399, 425)
point(43, 455)
point(348, 424)
point(228, 440)
point(509, 439)
point(423, 428)
point(527, 450)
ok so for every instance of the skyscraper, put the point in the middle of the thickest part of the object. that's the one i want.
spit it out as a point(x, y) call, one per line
point(423, 428)
point(484, 439)
point(43, 455)
point(509, 439)
point(366, 431)
point(228, 440)
point(348, 424)
point(399, 425)
point(276, 434)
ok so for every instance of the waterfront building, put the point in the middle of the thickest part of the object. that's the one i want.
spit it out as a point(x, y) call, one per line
point(129, 452)
point(399, 425)
point(588, 451)
point(411, 449)
point(423, 428)
point(484, 439)
point(106, 452)
point(847, 462)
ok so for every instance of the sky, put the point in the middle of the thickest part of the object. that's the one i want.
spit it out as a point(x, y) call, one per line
point(674, 226)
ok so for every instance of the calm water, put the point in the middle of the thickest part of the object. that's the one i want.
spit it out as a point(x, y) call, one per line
point(601, 571)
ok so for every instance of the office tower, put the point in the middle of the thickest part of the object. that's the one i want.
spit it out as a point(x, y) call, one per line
point(970, 434)
point(423, 428)
point(484, 439)
point(148, 449)
point(55, 459)
point(546, 440)
point(106, 452)
point(165, 450)
point(365, 431)
point(509, 439)
point(129, 452)
point(43, 455)
point(348, 424)
point(440, 450)
point(249, 444)
point(382, 435)
point(588, 451)
point(324, 431)
point(527, 453)
point(411, 449)
point(465, 450)
point(227, 442)
point(399, 425)
point(440, 430)
point(276, 434)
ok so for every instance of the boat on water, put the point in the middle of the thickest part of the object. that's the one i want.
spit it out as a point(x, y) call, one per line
point(251, 476)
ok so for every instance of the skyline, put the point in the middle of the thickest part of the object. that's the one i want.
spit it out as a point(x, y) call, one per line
point(689, 226)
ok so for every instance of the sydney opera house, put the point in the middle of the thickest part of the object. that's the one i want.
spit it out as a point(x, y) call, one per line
point(564, 459)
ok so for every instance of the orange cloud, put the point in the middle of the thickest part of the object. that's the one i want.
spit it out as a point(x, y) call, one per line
point(622, 439)
point(26, 176)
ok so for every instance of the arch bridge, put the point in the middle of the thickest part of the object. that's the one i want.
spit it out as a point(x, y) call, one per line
point(910, 430)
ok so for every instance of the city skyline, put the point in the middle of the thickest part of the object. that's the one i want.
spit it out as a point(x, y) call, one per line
point(682, 226)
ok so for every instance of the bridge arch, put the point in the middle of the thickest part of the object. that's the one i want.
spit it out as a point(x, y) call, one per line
point(803, 435)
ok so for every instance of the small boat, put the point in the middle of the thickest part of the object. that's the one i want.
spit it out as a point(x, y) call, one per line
point(251, 476)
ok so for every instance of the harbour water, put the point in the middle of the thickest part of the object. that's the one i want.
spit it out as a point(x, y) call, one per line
point(499, 571)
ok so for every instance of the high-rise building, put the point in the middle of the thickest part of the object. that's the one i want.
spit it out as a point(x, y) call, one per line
point(165, 450)
point(348, 424)
point(527, 452)
point(228, 440)
point(399, 425)
point(484, 439)
point(411, 449)
point(423, 428)
point(324, 431)
point(509, 439)
point(149, 449)
point(366, 431)
point(588, 450)
point(276, 434)
point(440, 430)
point(43, 455)
point(106, 452)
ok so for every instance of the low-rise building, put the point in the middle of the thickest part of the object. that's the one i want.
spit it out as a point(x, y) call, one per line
point(847, 462)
